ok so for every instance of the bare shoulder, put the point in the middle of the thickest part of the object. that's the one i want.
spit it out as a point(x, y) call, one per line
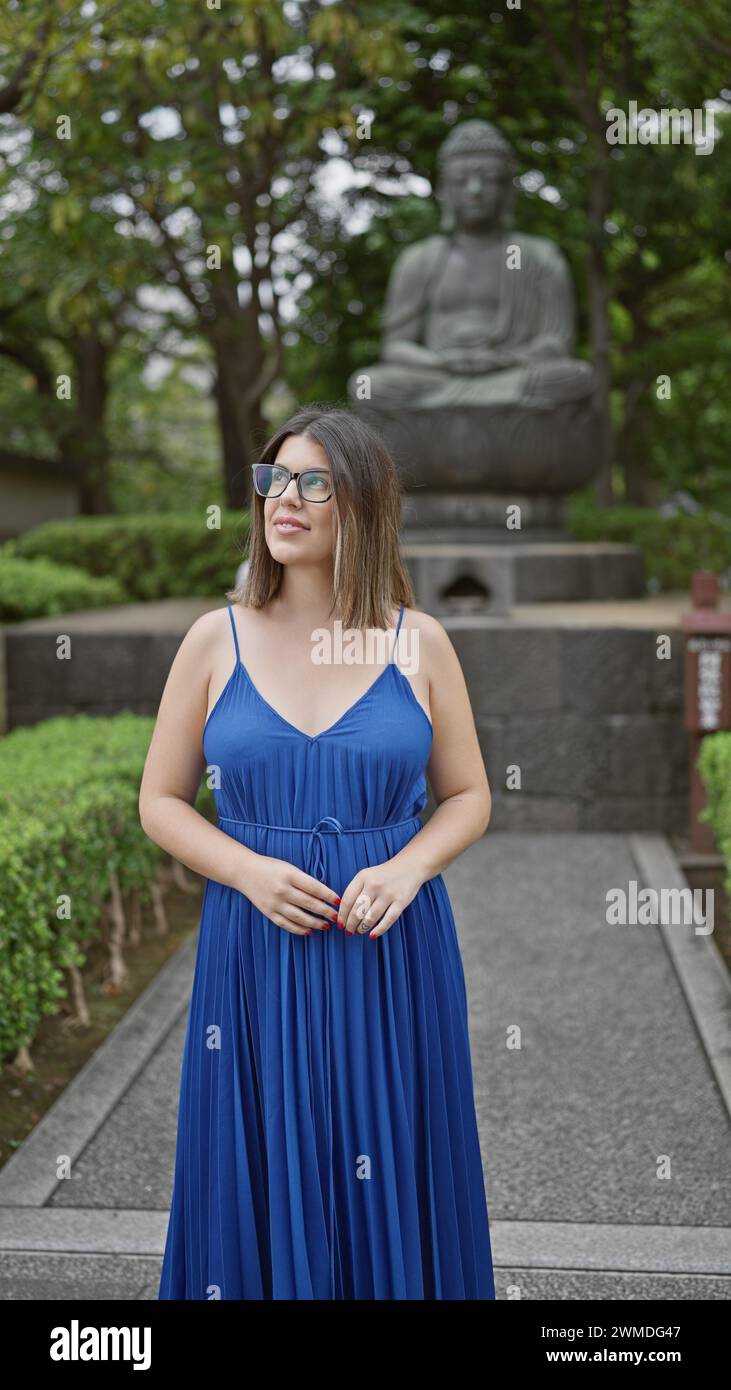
point(205, 637)
point(209, 625)
point(424, 621)
point(431, 632)
point(435, 645)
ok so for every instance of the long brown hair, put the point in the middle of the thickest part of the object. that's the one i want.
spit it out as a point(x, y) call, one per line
point(370, 577)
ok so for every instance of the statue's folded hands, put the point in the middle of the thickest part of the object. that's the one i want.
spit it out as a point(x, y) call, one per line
point(474, 361)
point(408, 354)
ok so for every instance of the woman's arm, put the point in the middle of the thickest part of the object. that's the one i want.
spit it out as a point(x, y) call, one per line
point(456, 769)
point(459, 783)
point(175, 764)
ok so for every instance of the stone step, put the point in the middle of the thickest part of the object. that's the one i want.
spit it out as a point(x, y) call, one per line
point(81, 1254)
point(498, 575)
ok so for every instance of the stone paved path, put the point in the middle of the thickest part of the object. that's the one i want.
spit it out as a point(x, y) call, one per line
point(623, 1075)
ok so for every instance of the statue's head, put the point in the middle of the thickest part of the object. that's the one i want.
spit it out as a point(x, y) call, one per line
point(476, 166)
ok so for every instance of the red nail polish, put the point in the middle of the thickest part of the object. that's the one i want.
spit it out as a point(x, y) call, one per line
point(339, 923)
point(370, 933)
point(337, 900)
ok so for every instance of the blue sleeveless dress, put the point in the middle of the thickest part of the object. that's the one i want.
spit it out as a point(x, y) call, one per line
point(327, 1143)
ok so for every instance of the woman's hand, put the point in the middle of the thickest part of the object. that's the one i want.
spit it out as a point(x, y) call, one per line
point(390, 887)
point(288, 896)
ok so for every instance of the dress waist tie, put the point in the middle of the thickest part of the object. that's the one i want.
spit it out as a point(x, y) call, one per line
point(327, 825)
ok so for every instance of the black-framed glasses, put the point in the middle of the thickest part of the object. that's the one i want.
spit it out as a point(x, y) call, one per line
point(271, 480)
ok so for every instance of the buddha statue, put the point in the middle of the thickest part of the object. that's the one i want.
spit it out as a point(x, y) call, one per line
point(478, 387)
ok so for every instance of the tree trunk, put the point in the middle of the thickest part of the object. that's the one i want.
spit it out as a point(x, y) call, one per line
point(634, 449)
point(600, 330)
point(239, 423)
point(85, 445)
point(236, 341)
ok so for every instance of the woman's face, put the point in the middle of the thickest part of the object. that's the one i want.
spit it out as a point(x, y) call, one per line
point(311, 536)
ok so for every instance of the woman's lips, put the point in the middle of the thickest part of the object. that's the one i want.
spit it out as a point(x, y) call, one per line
point(289, 527)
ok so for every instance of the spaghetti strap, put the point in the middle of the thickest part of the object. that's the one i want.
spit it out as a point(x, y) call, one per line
point(236, 640)
point(395, 640)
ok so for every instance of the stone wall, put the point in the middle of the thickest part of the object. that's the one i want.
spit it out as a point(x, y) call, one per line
point(590, 715)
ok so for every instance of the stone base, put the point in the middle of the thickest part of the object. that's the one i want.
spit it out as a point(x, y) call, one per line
point(504, 449)
point(482, 516)
point(491, 579)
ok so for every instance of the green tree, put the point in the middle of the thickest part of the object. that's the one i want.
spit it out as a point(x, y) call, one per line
point(197, 141)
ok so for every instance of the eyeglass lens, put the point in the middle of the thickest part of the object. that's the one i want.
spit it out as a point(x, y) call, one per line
point(272, 479)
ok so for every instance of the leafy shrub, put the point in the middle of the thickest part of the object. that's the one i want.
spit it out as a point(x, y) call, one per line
point(69, 791)
point(714, 766)
point(164, 555)
point(673, 547)
point(37, 588)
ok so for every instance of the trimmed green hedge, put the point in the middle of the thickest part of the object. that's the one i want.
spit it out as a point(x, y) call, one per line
point(714, 766)
point(71, 839)
point(37, 588)
point(672, 547)
point(177, 555)
point(164, 555)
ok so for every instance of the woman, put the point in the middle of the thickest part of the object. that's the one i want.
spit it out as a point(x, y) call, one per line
point(327, 1142)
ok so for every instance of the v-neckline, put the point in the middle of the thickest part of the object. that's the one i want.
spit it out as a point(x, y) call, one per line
point(314, 738)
